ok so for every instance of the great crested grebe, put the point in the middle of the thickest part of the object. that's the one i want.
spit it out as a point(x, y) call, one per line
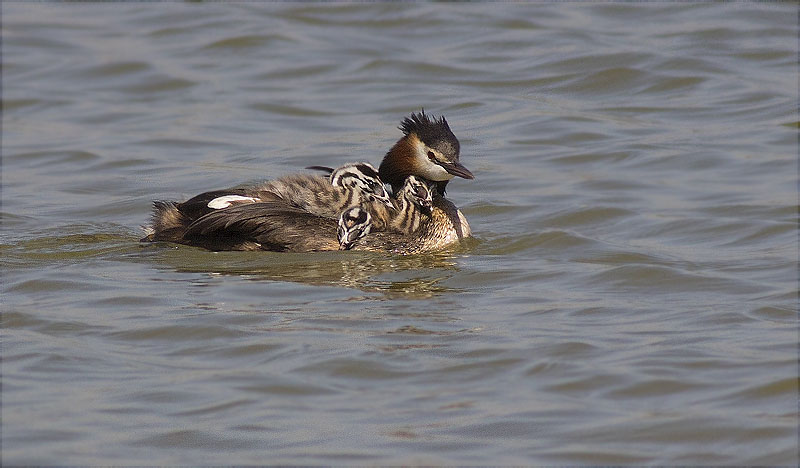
point(429, 150)
point(301, 212)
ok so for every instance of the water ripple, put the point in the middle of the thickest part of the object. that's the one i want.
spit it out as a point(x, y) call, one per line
point(630, 296)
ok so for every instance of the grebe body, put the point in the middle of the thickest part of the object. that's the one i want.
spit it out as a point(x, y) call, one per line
point(302, 212)
point(297, 212)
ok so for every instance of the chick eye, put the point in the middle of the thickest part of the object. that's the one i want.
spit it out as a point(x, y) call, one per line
point(431, 156)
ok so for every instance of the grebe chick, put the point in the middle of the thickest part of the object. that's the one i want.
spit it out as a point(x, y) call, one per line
point(349, 185)
point(413, 202)
point(412, 206)
point(354, 223)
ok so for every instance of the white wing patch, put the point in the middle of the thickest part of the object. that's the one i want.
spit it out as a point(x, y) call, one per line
point(228, 200)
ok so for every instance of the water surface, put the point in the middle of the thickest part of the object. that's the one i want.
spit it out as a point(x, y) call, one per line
point(630, 296)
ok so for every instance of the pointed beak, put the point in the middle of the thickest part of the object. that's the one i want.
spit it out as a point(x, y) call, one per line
point(340, 233)
point(384, 198)
point(347, 244)
point(427, 208)
point(425, 205)
point(456, 169)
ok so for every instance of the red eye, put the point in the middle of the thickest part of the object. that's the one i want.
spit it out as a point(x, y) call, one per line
point(431, 155)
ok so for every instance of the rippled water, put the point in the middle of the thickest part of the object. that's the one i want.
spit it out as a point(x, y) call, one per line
point(630, 297)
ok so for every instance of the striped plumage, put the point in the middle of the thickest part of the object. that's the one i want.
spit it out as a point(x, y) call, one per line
point(349, 185)
point(354, 224)
point(409, 207)
point(444, 226)
point(412, 207)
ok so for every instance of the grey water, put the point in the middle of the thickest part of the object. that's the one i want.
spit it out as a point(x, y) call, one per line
point(630, 296)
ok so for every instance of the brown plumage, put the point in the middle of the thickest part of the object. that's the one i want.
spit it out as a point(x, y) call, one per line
point(412, 207)
point(428, 149)
point(300, 212)
point(263, 226)
point(297, 212)
point(445, 226)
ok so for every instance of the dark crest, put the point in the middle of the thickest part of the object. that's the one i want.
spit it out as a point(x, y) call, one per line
point(418, 123)
point(433, 132)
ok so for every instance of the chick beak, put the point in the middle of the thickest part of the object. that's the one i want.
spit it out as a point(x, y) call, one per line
point(457, 169)
point(426, 207)
point(384, 198)
point(347, 244)
point(344, 240)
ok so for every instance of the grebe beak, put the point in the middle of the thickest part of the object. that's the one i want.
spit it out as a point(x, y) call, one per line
point(457, 169)
point(345, 243)
point(384, 198)
point(426, 207)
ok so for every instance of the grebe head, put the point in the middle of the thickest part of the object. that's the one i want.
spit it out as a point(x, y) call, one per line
point(428, 149)
point(354, 223)
point(419, 192)
point(360, 176)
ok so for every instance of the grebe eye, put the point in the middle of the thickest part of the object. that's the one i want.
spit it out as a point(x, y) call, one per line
point(431, 156)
